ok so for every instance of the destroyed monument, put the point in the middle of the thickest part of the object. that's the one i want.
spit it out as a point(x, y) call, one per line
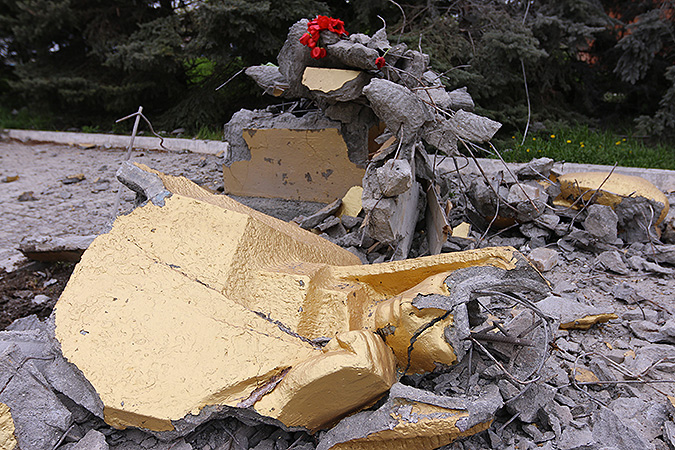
point(195, 308)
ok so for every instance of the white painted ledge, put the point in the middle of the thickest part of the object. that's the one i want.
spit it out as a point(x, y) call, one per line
point(117, 141)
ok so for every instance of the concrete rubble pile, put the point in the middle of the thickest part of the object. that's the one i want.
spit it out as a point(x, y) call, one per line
point(404, 99)
point(199, 323)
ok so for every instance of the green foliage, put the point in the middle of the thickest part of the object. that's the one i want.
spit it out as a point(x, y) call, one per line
point(662, 124)
point(88, 62)
point(580, 144)
point(23, 119)
point(640, 46)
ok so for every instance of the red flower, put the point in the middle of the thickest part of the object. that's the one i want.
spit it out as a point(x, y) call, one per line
point(304, 40)
point(316, 52)
point(314, 27)
point(323, 21)
point(337, 26)
point(380, 62)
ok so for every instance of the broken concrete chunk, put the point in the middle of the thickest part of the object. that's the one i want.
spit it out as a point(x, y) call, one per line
point(39, 418)
point(441, 134)
point(395, 177)
point(601, 222)
point(434, 95)
point(398, 107)
point(413, 65)
point(379, 40)
point(148, 187)
point(335, 84)
point(45, 248)
point(298, 164)
point(93, 440)
point(528, 404)
point(293, 58)
point(460, 99)
point(610, 431)
point(611, 260)
point(269, 78)
point(36, 342)
point(573, 314)
point(315, 219)
point(351, 204)
point(414, 419)
point(538, 168)
point(544, 259)
point(438, 227)
point(330, 222)
point(353, 54)
point(473, 127)
point(520, 192)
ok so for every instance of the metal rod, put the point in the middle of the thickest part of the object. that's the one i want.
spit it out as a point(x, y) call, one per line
point(138, 115)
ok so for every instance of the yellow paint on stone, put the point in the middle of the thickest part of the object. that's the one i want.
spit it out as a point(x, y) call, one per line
point(614, 189)
point(462, 230)
point(351, 202)
point(356, 365)
point(420, 427)
point(310, 165)
point(7, 438)
point(206, 302)
point(586, 322)
point(583, 375)
point(326, 79)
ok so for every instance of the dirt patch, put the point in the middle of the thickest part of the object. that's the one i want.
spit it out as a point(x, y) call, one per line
point(32, 289)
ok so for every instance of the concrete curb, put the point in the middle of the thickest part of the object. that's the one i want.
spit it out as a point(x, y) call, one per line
point(116, 141)
point(661, 178)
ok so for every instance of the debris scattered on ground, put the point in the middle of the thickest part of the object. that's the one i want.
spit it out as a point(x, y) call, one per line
point(609, 253)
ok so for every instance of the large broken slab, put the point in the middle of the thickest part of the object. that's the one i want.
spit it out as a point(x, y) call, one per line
point(207, 303)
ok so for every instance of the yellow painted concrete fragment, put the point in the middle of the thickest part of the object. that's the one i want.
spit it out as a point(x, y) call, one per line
point(397, 320)
point(7, 438)
point(613, 190)
point(310, 165)
point(462, 230)
point(420, 427)
point(351, 202)
point(355, 369)
point(582, 375)
point(326, 79)
point(168, 313)
point(586, 322)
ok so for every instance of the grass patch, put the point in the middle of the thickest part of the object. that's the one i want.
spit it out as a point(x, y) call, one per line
point(23, 120)
point(581, 145)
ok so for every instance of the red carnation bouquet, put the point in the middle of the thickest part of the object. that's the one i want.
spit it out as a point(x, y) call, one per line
point(314, 28)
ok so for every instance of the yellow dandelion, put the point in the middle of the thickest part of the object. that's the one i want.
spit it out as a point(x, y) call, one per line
point(617, 143)
point(569, 142)
point(534, 139)
point(582, 145)
point(528, 150)
point(624, 139)
point(513, 137)
point(553, 136)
